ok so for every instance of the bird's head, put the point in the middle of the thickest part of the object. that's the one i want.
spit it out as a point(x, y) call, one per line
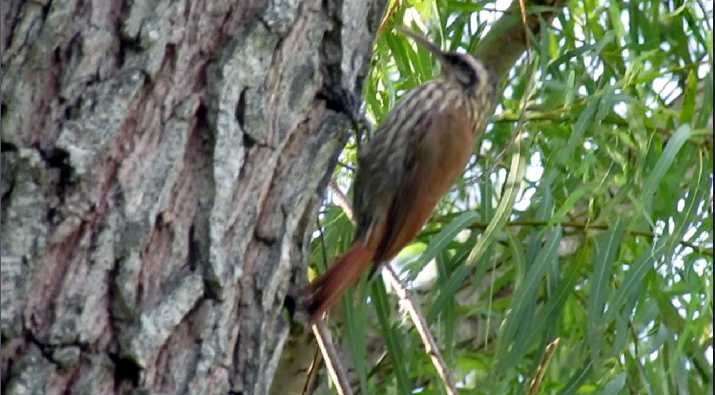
point(462, 69)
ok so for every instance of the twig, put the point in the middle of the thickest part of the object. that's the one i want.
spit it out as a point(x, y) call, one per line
point(332, 362)
point(535, 382)
point(342, 200)
point(325, 344)
point(561, 115)
point(387, 18)
point(497, 162)
point(568, 224)
point(407, 300)
point(346, 166)
point(312, 370)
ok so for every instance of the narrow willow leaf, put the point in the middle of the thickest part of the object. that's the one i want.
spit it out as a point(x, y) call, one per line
point(516, 248)
point(623, 322)
point(578, 378)
point(506, 204)
point(550, 313)
point(633, 30)
point(543, 213)
point(484, 262)
point(464, 6)
point(393, 339)
point(456, 278)
point(584, 121)
point(698, 192)
point(356, 332)
point(441, 240)
point(400, 51)
point(515, 334)
point(451, 281)
point(687, 112)
point(672, 318)
point(543, 45)
point(661, 167)
point(614, 12)
point(449, 319)
point(705, 114)
point(577, 195)
point(569, 55)
point(570, 89)
point(486, 191)
point(635, 276)
point(605, 248)
point(616, 385)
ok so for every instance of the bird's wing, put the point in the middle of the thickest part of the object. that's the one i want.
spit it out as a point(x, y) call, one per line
point(382, 161)
point(442, 147)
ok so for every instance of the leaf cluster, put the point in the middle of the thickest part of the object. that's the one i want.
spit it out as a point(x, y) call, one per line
point(595, 229)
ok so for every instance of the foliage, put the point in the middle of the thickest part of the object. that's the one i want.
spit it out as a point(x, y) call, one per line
point(608, 246)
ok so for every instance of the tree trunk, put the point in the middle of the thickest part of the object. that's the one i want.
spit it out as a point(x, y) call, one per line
point(162, 165)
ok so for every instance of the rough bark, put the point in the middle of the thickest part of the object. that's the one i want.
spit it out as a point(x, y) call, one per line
point(162, 164)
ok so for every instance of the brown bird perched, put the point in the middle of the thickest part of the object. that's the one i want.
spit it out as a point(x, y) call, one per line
point(413, 160)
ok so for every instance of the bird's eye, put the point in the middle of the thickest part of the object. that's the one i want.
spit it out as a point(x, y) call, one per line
point(467, 75)
point(464, 72)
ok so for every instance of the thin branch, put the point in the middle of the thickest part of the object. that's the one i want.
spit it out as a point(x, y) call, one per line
point(342, 200)
point(347, 166)
point(312, 372)
point(563, 116)
point(325, 343)
point(507, 40)
point(567, 224)
point(497, 162)
point(332, 361)
point(408, 301)
point(386, 19)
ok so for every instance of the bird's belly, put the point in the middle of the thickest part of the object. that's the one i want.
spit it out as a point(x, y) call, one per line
point(448, 166)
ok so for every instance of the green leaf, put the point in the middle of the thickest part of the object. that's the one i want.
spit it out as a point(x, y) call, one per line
point(579, 129)
point(616, 385)
point(661, 167)
point(514, 336)
point(606, 247)
point(356, 335)
point(689, 96)
point(440, 241)
point(506, 204)
point(575, 197)
point(577, 379)
point(393, 340)
point(632, 281)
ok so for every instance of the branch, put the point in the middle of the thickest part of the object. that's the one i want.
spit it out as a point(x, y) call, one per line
point(332, 361)
point(566, 224)
point(507, 39)
point(409, 303)
point(342, 201)
point(564, 116)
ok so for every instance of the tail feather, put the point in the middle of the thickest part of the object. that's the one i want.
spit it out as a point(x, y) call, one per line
point(324, 291)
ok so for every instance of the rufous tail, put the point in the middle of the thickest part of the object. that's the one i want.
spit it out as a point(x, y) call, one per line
point(324, 291)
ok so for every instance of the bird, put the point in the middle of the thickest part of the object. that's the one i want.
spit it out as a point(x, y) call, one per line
point(414, 158)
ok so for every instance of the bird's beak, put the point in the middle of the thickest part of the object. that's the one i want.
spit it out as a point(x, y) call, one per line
point(423, 41)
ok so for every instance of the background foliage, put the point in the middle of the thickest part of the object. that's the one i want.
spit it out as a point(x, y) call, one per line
point(604, 245)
